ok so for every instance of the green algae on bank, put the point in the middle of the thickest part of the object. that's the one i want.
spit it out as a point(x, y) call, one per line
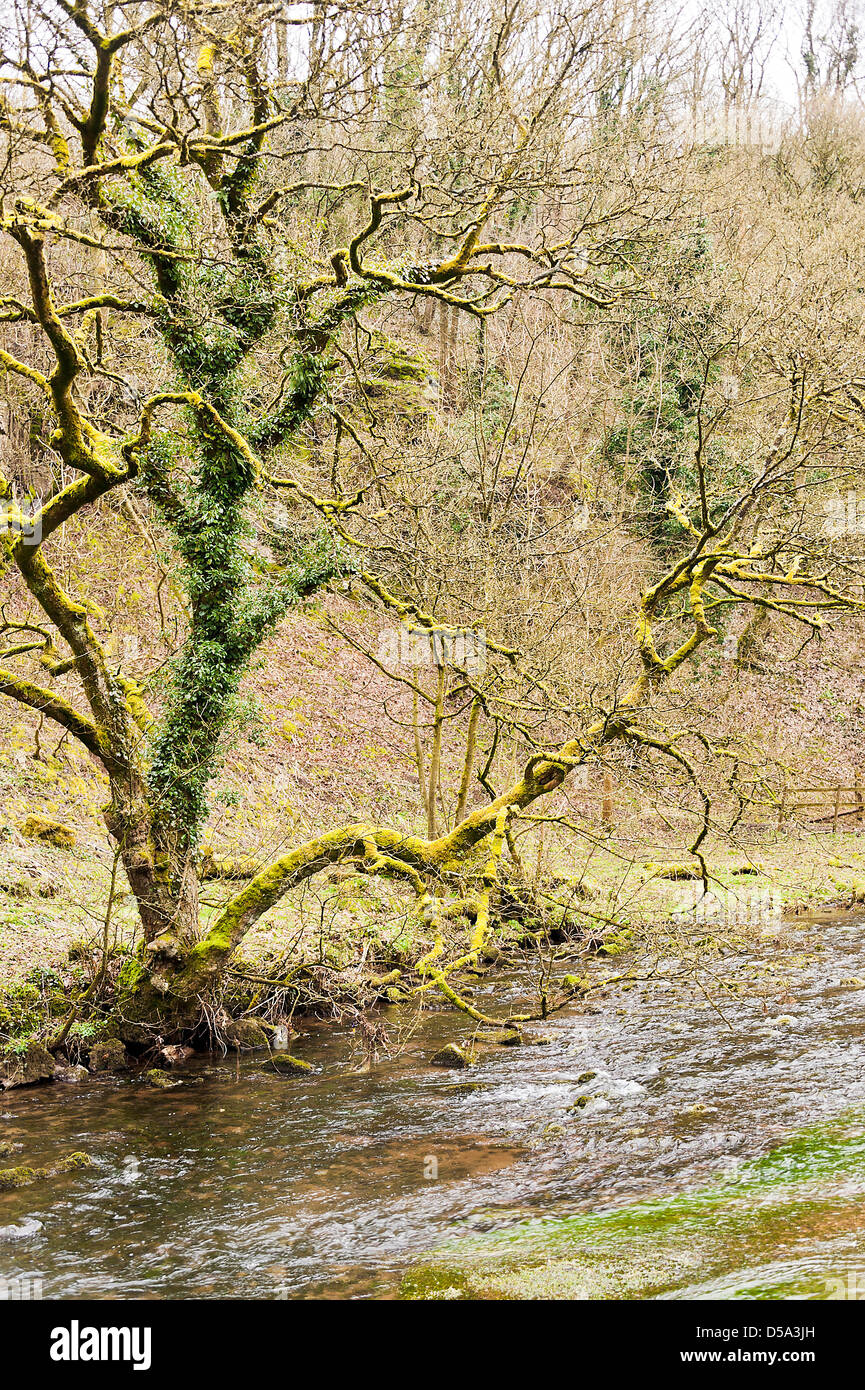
point(741, 1237)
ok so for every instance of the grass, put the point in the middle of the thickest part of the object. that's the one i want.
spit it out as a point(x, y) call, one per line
point(336, 916)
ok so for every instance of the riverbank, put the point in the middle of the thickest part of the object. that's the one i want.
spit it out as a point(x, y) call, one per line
point(632, 913)
point(51, 897)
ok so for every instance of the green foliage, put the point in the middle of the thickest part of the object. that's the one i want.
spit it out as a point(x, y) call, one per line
point(207, 672)
point(16, 1024)
point(212, 311)
point(496, 400)
point(305, 383)
point(26, 1008)
point(129, 975)
point(658, 428)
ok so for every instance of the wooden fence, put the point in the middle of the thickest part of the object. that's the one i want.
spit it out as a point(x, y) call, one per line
point(838, 802)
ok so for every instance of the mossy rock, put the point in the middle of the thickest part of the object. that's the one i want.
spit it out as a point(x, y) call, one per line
point(29, 887)
point(109, 1055)
point(575, 984)
point(34, 1063)
point(616, 943)
point(51, 832)
point(287, 1065)
point(245, 1035)
point(80, 950)
point(12, 1178)
point(71, 1162)
point(674, 871)
point(452, 1056)
point(161, 1080)
point(72, 1076)
point(394, 366)
point(499, 1037)
point(406, 366)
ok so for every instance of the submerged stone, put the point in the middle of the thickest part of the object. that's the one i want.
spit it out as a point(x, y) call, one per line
point(589, 1105)
point(500, 1037)
point(71, 1075)
point(24, 1230)
point(161, 1080)
point(12, 1178)
point(70, 1162)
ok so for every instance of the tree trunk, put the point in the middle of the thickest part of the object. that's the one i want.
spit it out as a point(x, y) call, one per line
point(166, 890)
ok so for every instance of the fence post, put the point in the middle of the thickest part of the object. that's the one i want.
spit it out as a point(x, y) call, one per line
point(837, 806)
point(607, 803)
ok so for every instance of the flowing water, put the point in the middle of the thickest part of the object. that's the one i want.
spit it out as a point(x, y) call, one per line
point(705, 1156)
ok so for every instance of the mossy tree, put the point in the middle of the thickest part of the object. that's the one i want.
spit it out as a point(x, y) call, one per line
point(163, 146)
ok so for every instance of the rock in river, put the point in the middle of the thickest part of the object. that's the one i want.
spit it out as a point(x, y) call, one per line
point(71, 1075)
point(452, 1056)
point(109, 1056)
point(161, 1080)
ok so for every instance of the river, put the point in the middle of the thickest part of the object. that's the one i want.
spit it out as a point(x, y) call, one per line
point(656, 1144)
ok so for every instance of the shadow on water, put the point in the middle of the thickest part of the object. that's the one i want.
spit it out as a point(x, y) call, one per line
point(649, 1149)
